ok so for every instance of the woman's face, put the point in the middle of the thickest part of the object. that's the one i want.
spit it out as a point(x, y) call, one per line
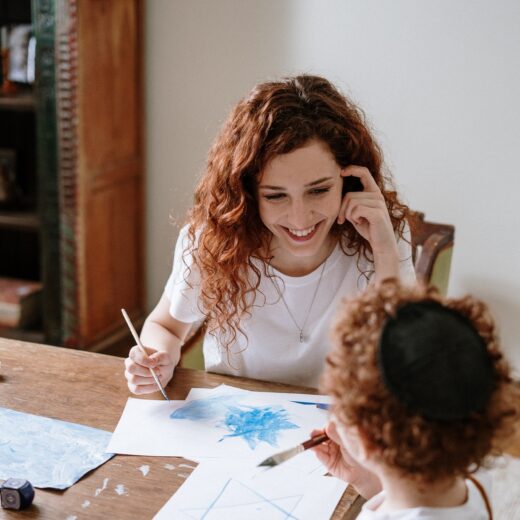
point(299, 197)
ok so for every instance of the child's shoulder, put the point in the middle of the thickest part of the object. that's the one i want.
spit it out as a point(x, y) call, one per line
point(473, 509)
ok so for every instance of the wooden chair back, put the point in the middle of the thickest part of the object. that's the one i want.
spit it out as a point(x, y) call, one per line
point(432, 249)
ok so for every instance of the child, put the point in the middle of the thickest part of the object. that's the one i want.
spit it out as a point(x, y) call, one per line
point(292, 214)
point(420, 393)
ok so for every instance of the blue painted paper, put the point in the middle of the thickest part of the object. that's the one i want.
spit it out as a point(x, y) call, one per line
point(254, 424)
point(48, 452)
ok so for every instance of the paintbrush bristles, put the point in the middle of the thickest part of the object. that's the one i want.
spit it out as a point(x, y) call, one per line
point(274, 460)
point(278, 458)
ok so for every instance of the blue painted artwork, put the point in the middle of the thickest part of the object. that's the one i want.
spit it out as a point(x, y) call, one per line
point(238, 500)
point(257, 424)
point(48, 452)
point(254, 424)
point(200, 409)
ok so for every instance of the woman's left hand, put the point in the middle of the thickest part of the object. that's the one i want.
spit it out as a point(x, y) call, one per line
point(367, 212)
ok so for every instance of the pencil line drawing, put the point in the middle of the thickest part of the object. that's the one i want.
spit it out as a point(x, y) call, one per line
point(254, 424)
point(237, 500)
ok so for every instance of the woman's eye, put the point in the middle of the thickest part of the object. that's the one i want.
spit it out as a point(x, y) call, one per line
point(275, 196)
point(319, 191)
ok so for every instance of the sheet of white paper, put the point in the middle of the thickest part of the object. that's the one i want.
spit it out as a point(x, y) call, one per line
point(234, 491)
point(223, 425)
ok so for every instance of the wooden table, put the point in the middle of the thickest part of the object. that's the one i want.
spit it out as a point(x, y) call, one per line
point(90, 389)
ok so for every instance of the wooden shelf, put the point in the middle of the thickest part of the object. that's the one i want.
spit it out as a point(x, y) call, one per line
point(22, 220)
point(23, 101)
point(31, 336)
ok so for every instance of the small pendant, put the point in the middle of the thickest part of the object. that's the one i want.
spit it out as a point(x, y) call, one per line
point(302, 338)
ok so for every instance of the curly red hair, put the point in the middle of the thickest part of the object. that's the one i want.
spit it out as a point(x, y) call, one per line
point(419, 448)
point(225, 228)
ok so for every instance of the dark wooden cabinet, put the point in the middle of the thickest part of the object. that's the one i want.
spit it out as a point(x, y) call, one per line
point(79, 134)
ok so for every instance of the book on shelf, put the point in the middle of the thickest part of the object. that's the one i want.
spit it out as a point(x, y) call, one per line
point(20, 302)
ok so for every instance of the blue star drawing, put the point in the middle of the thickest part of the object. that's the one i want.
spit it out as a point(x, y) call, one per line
point(254, 424)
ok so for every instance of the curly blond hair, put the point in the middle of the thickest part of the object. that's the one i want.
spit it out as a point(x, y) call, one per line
point(417, 447)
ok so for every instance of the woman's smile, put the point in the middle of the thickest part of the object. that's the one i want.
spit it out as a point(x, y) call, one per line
point(302, 235)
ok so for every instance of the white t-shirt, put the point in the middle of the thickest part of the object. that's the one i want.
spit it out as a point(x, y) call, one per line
point(272, 350)
point(473, 509)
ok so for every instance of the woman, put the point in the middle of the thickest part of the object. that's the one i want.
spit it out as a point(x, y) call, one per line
point(291, 215)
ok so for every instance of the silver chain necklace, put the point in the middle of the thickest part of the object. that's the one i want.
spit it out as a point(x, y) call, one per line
point(280, 293)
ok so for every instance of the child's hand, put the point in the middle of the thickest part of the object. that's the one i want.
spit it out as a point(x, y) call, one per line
point(330, 455)
point(137, 373)
point(341, 464)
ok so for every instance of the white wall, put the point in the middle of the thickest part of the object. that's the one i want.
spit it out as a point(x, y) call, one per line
point(439, 81)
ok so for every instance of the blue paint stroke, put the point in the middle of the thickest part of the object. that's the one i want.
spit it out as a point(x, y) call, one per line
point(201, 409)
point(251, 423)
point(322, 406)
point(257, 424)
point(48, 452)
point(235, 494)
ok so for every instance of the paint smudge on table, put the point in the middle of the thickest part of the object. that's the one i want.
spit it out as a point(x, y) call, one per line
point(99, 490)
point(144, 469)
point(85, 504)
point(121, 490)
point(71, 517)
point(183, 475)
point(169, 466)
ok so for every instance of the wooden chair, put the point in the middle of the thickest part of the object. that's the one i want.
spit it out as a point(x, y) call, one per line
point(432, 248)
point(191, 355)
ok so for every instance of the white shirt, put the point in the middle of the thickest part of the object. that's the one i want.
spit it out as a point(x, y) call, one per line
point(473, 509)
point(272, 350)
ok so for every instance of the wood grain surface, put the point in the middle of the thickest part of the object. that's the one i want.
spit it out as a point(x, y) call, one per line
point(90, 389)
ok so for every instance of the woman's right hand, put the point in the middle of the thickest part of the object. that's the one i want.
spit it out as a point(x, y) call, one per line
point(340, 463)
point(138, 376)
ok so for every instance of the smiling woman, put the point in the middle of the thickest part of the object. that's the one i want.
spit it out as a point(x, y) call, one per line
point(291, 215)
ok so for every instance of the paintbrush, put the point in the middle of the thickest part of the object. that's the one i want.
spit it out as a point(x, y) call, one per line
point(274, 460)
point(142, 349)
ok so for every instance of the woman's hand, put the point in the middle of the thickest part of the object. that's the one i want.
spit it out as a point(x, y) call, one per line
point(367, 212)
point(139, 379)
point(340, 463)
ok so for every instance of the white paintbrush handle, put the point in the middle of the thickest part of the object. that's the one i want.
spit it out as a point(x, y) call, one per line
point(143, 350)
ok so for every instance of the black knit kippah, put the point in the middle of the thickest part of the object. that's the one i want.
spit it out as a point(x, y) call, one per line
point(435, 362)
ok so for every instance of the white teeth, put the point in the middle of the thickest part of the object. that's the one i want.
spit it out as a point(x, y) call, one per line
point(302, 232)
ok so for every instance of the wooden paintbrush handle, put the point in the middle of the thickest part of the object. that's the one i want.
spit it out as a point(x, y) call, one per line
point(314, 441)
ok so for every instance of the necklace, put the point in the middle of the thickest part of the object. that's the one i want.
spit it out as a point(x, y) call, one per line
point(280, 293)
